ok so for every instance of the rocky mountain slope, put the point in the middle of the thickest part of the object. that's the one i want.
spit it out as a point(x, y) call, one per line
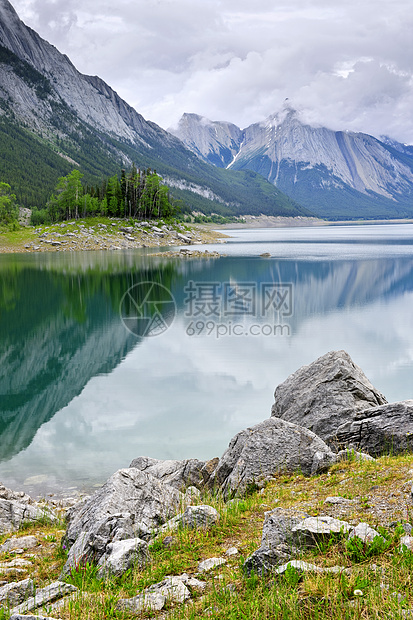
point(332, 173)
point(53, 118)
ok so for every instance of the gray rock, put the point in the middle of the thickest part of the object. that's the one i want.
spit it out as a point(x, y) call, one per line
point(278, 525)
point(91, 545)
point(201, 516)
point(339, 501)
point(16, 592)
point(231, 551)
point(387, 429)
point(178, 474)
point(209, 564)
point(172, 588)
point(256, 453)
point(325, 394)
point(191, 496)
point(194, 517)
point(305, 567)
point(364, 532)
point(406, 541)
point(18, 496)
point(150, 601)
point(24, 542)
point(264, 559)
point(148, 502)
point(352, 455)
point(53, 592)
point(122, 555)
point(14, 513)
point(314, 530)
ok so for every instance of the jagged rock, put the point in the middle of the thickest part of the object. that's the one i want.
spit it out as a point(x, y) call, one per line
point(172, 588)
point(340, 501)
point(154, 598)
point(122, 555)
point(387, 429)
point(352, 455)
point(325, 394)
point(191, 495)
point(364, 532)
point(16, 563)
point(313, 530)
point(274, 445)
point(194, 517)
point(91, 545)
point(16, 592)
point(278, 525)
point(14, 513)
point(52, 592)
point(276, 541)
point(24, 542)
point(142, 602)
point(18, 496)
point(406, 541)
point(265, 559)
point(231, 551)
point(178, 474)
point(147, 501)
point(209, 564)
point(305, 567)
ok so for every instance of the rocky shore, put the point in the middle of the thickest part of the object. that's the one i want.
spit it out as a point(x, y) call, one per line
point(325, 416)
point(105, 234)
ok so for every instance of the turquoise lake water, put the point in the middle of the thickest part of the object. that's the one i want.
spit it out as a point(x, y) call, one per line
point(108, 356)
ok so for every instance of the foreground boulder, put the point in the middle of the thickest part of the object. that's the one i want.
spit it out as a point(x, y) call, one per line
point(325, 394)
point(387, 429)
point(272, 446)
point(128, 491)
point(130, 505)
point(178, 474)
point(14, 513)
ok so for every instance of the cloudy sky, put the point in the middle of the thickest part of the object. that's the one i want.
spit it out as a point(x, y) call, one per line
point(346, 65)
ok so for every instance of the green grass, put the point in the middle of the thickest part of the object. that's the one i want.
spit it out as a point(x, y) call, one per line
point(376, 582)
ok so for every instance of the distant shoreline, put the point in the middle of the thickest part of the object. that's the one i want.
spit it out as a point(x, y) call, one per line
point(270, 221)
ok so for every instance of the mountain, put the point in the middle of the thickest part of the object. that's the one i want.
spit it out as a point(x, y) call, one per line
point(53, 118)
point(335, 174)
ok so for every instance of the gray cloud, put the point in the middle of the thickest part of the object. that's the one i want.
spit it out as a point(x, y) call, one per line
point(348, 66)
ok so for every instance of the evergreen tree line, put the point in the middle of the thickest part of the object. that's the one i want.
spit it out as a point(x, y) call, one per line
point(137, 194)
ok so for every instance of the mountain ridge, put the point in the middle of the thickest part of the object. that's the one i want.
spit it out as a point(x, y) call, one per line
point(50, 109)
point(330, 172)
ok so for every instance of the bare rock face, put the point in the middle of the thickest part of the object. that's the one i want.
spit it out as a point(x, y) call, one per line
point(272, 446)
point(128, 491)
point(387, 429)
point(13, 513)
point(178, 474)
point(131, 504)
point(325, 394)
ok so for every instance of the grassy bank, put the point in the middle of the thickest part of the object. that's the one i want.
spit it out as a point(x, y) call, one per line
point(101, 233)
point(377, 583)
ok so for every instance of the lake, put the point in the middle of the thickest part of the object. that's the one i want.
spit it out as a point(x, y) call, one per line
point(109, 356)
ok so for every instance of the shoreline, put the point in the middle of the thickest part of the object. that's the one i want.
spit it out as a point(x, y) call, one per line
point(269, 221)
point(105, 234)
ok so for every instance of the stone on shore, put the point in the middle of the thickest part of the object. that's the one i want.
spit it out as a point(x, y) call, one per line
point(14, 513)
point(131, 504)
point(122, 555)
point(147, 501)
point(272, 446)
point(325, 394)
point(178, 474)
point(387, 429)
